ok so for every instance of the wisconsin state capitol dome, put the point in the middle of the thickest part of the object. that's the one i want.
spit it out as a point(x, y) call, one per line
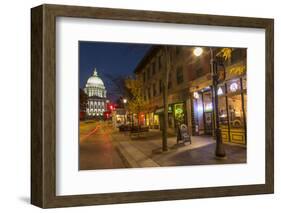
point(95, 81)
point(95, 86)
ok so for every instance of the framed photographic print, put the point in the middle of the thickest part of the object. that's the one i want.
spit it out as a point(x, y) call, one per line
point(137, 106)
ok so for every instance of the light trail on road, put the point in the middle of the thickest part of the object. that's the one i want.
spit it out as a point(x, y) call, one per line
point(90, 133)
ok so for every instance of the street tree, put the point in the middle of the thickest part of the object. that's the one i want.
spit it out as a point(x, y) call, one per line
point(136, 103)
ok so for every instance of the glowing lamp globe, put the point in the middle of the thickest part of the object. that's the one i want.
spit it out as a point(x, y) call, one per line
point(197, 51)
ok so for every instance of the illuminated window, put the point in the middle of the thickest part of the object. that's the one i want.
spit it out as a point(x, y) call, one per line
point(220, 91)
point(207, 101)
point(235, 112)
point(196, 95)
point(233, 85)
point(179, 113)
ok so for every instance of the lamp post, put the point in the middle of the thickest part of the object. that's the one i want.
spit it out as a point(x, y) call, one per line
point(125, 102)
point(220, 152)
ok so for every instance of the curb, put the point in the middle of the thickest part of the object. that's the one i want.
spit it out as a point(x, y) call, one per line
point(125, 157)
point(134, 158)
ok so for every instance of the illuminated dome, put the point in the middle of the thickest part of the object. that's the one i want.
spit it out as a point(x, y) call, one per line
point(95, 87)
point(95, 81)
point(96, 102)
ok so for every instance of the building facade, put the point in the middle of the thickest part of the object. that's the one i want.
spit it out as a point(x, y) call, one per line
point(190, 92)
point(96, 92)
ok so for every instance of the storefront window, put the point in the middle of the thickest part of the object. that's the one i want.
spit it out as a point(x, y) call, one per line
point(208, 112)
point(147, 119)
point(221, 90)
point(232, 110)
point(207, 99)
point(179, 113)
point(151, 119)
point(141, 119)
point(156, 120)
point(233, 86)
point(236, 119)
point(198, 113)
point(222, 111)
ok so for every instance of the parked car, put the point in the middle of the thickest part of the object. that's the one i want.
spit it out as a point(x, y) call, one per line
point(124, 127)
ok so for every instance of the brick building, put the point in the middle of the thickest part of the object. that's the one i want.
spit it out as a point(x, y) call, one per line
point(190, 92)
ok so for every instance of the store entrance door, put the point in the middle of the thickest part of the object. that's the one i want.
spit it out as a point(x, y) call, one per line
point(208, 124)
point(203, 112)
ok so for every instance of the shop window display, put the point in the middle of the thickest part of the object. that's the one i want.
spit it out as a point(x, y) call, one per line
point(235, 112)
point(233, 86)
point(179, 113)
point(198, 113)
point(208, 112)
point(222, 111)
point(156, 120)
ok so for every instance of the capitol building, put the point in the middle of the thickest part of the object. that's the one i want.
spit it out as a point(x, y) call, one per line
point(96, 92)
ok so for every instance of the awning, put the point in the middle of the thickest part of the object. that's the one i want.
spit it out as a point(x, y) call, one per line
point(159, 111)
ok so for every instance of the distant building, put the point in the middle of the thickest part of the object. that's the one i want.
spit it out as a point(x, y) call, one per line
point(118, 116)
point(95, 89)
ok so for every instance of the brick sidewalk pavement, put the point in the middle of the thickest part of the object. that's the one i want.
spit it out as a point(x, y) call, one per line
point(145, 151)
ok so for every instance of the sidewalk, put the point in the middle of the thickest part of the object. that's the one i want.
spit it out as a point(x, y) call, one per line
point(145, 151)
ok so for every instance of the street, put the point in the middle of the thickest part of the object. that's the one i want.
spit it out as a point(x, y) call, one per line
point(103, 147)
point(96, 146)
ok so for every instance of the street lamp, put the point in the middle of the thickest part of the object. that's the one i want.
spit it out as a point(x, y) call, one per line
point(220, 152)
point(124, 102)
point(198, 51)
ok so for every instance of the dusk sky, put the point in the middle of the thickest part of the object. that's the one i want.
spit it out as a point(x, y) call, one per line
point(111, 60)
